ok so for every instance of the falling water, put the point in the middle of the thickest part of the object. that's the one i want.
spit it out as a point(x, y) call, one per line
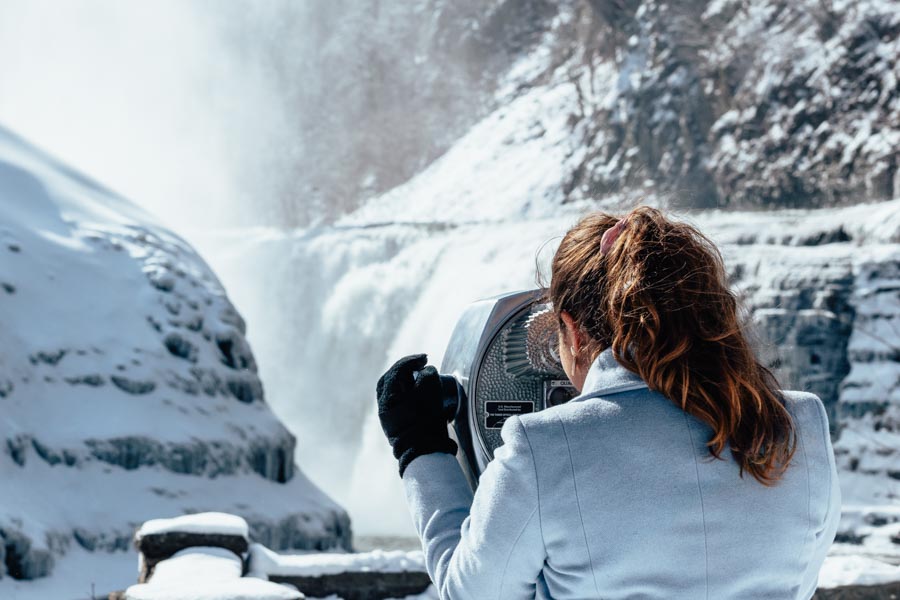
point(334, 307)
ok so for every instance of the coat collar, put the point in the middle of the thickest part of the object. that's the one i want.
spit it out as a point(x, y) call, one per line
point(607, 376)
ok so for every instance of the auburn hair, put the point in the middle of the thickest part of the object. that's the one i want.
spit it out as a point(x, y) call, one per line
point(659, 297)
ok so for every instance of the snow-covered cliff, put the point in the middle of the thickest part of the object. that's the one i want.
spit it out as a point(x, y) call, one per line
point(127, 388)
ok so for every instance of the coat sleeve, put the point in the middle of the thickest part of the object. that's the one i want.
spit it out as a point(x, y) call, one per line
point(489, 546)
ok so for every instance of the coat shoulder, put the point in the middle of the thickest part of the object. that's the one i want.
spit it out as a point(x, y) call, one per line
point(608, 418)
point(799, 397)
point(806, 408)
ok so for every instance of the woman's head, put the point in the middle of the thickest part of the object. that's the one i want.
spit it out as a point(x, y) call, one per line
point(655, 291)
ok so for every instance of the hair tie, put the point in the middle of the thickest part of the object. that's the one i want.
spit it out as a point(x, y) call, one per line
point(611, 235)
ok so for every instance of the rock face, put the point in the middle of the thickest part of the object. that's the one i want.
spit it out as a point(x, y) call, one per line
point(824, 296)
point(823, 292)
point(722, 103)
point(127, 387)
point(801, 308)
point(775, 104)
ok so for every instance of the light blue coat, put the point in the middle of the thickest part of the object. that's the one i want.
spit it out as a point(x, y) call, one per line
point(614, 495)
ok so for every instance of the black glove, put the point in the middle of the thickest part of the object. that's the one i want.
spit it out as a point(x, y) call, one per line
point(409, 407)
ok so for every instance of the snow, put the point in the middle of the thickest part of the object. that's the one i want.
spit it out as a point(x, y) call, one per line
point(873, 224)
point(856, 570)
point(245, 588)
point(208, 522)
point(200, 563)
point(263, 561)
point(878, 525)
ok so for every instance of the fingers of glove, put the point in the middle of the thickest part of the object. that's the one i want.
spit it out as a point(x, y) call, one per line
point(399, 378)
point(428, 393)
point(427, 373)
point(408, 364)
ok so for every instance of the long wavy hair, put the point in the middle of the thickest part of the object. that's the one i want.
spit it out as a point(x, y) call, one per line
point(659, 297)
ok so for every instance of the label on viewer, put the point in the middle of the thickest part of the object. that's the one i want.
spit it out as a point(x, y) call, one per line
point(498, 412)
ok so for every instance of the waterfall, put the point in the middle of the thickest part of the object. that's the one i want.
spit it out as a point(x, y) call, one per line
point(330, 308)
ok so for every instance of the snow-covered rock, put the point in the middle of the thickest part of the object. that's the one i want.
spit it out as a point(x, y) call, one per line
point(712, 104)
point(159, 539)
point(724, 103)
point(351, 576)
point(127, 388)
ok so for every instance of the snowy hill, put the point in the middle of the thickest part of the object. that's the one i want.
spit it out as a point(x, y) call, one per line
point(127, 389)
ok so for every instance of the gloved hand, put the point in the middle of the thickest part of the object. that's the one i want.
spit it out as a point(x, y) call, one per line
point(409, 408)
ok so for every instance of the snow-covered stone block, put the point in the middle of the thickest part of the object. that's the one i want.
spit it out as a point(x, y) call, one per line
point(351, 576)
point(159, 539)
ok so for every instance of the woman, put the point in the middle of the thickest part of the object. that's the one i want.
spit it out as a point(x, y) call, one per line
point(680, 471)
